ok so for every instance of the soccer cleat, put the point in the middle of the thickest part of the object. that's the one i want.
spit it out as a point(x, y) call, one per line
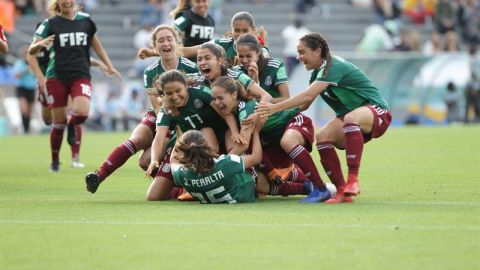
point(308, 187)
point(71, 135)
point(77, 164)
point(278, 175)
point(93, 181)
point(352, 188)
point(340, 197)
point(54, 166)
point(317, 195)
point(186, 197)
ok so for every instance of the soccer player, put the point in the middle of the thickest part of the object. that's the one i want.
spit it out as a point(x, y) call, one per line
point(361, 112)
point(68, 34)
point(195, 110)
point(166, 41)
point(193, 21)
point(3, 41)
point(287, 130)
point(212, 179)
point(211, 63)
point(242, 22)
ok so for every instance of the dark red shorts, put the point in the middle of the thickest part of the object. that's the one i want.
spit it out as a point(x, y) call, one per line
point(59, 91)
point(303, 124)
point(381, 121)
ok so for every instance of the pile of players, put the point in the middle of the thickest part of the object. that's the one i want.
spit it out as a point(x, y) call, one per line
point(221, 128)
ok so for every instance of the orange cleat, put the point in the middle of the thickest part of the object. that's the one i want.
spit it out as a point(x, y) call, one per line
point(340, 197)
point(278, 175)
point(352, 188)
point(186, 197)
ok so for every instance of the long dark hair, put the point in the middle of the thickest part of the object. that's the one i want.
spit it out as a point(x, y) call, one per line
point(219, 53)
point(231, 85)
point(315, 41)
point(196, 154)
point(252, 42)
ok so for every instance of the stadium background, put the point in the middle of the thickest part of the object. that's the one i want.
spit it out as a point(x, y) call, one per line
point(414, 84)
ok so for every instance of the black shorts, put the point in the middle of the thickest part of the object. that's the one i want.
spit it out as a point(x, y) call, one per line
point(28, 94)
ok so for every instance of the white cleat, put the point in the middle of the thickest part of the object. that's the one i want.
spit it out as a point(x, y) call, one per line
point(77, 164)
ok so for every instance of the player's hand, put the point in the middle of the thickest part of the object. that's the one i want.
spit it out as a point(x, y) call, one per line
point(260, 123)
point(153, 165)
point(145, 53)
point(47, 42)
point(111, 72)
point(253, 71)
point(238, 138)
point(265, 109)
point(42, 84)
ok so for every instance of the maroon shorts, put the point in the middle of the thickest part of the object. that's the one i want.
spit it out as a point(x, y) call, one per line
point(59, 91)
point(150, 120)
point(303, 124)
point(164, 170)
point(381, 120)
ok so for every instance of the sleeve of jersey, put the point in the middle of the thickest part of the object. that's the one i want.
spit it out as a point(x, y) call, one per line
point(281, 75)
point(243, 78)
point(147, 80)
point(181, 23)
point(42, 30)
point(177, 175)
point(164, 119)
point(236, 164)
point(205, 94)
point(94, 27)
point(332, 77)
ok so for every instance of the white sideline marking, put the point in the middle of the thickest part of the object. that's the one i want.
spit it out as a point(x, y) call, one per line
point(257, 225)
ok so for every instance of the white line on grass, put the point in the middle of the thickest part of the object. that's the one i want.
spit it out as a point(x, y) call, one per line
point(257, 225)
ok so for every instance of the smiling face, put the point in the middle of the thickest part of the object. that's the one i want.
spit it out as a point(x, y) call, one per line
point(166, 44)
point(209, 64)
point(240, 27)
point(311, 59)
point(246, 55)
point(176, 92)
point(200, 7)
point(225, 101)
point(66, 6)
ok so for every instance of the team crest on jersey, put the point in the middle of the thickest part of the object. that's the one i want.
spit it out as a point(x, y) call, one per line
point(198, 103)
point(268, 80)
point(166, 168)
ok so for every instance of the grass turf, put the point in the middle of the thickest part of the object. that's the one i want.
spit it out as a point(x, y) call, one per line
point(419, 209)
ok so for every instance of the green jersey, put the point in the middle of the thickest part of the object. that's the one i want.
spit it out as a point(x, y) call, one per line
point(228, 44)
point(195, 114)
point(238, 75)
point(226, 182)
point(270, 76)
point(274, 128)
point(157, 69)
point(349, 88)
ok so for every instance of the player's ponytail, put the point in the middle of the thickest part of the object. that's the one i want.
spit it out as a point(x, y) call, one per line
point(231, 86)
point(195, 153)
point(315, 41)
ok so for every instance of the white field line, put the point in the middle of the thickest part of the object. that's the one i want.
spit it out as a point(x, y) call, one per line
point(242, 225)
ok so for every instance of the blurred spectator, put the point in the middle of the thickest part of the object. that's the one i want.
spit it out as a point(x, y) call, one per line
point(419, 10)
point(469, 20)
point(444, 16)
point(451, 42)
point(291, 35)
point(25, 84)
point(433, 45)
point(472, 99)
point(41, 7)
point(132, 109)
point(386, 10)
point(304, 5)
point(152, 13)
point(415, 41)
point(377, 38)
point(142, 39)
point(216, 11)
point(405, 41)
point(452, 100)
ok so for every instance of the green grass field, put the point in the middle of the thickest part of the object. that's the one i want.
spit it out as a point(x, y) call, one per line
point(419, 209)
